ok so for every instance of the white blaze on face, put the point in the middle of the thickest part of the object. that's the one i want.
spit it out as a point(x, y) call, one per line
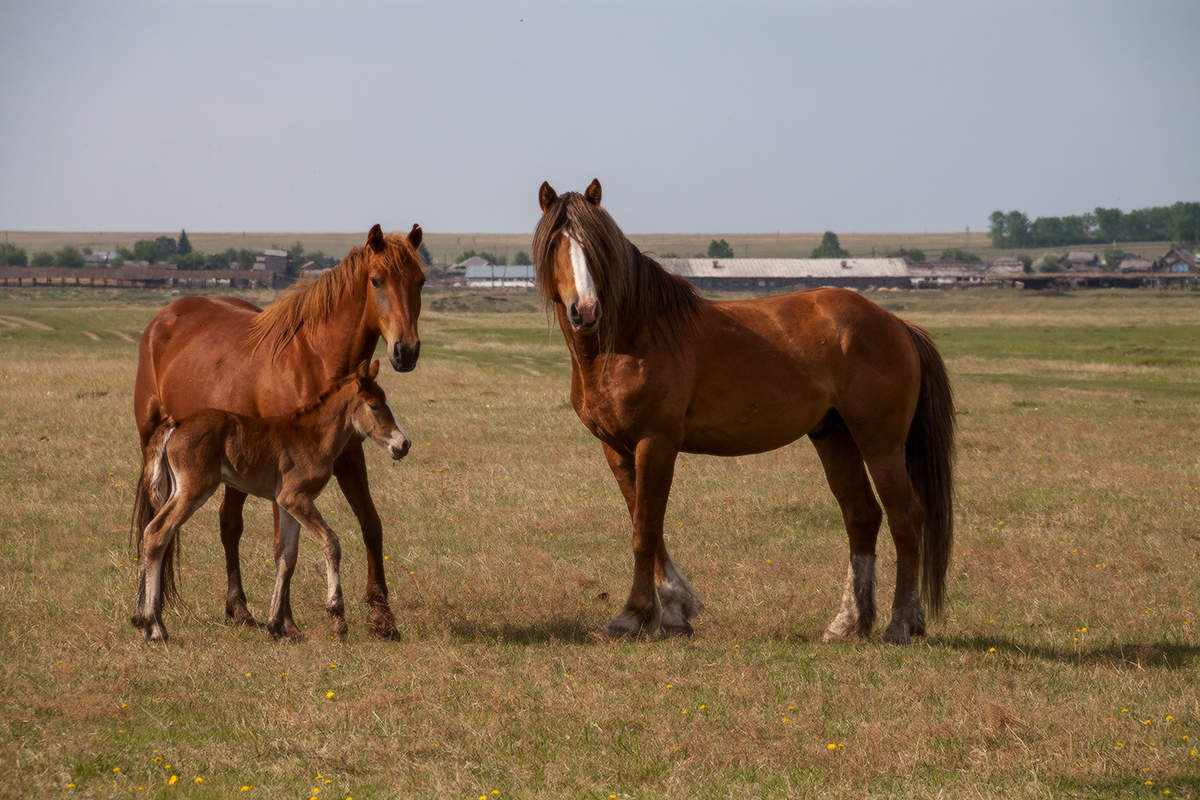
point(585, 288)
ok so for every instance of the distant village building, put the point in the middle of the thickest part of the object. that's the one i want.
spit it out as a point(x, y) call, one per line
point(1178, 260)
point(100, 258)
point(272, 261)
point(492, 276)
point(773, 273)
point(1006, 265)
point(1082, 260)
point(461, 267)
point(1135, 264)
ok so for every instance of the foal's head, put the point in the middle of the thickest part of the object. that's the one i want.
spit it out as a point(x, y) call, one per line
point(579, 251)
point(370, 414)
point(395, 277)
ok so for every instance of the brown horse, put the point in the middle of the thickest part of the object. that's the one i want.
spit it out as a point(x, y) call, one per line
point(657, 370)
point(287, 459)
point(224, 353)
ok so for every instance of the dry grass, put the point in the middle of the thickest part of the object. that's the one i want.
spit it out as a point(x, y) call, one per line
point(446, 247)
point(1068, 666)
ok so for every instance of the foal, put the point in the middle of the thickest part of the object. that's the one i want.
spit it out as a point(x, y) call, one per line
point(287, 459)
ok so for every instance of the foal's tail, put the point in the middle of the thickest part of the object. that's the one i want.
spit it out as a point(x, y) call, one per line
point(155, 486)
point(930, 456)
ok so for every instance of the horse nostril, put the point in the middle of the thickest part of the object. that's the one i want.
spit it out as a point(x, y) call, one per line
point(573, 313)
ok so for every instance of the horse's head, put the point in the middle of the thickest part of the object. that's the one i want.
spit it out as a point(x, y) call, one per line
point(372, 417)
point(564, 243)
point(395, 276)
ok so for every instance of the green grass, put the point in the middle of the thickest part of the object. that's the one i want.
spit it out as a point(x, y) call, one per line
point(1070, 629)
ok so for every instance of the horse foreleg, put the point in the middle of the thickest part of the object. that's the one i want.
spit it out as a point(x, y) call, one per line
point(847, 477)
point(649, 474)
point(279, 621)
point(231, 537)
point(905, 519)
point(351, 472)
point(301, 507)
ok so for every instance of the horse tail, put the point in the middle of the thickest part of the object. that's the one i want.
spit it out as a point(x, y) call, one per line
point(156, 485)
point(930, 456)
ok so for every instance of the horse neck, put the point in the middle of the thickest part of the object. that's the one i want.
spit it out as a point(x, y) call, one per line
point(349, 335)
point(329, 420)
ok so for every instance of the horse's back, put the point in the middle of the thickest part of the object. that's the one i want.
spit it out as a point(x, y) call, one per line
point(768, 370)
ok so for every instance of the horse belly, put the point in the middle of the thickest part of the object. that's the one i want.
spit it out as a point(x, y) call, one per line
point(754, 428)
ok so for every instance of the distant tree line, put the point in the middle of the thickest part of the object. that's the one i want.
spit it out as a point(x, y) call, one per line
point(168, 250)
point(1178, 223)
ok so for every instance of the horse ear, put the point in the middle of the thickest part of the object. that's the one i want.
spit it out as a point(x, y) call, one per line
point(375, 238)
point(546, 195)
point(415, 235)
point(373, 370)
point(592, 193)
point(361, 371)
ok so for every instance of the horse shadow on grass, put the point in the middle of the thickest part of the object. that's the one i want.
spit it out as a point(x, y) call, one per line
point(543, 631)
point(1122, 655)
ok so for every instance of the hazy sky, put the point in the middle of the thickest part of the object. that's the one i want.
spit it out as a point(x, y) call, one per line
point(697, 117)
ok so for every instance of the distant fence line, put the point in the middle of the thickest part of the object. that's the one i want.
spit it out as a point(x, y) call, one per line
point(142, 277)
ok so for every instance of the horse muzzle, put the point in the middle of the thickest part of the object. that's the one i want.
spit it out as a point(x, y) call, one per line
point(403, 357)
point(584, 315)
point(399, 451)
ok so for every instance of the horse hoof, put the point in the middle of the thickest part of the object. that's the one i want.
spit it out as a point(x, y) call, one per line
point(285, 635)
point(624, 626)
point(684, 629)
point(156, 633)
point(897, 634)
point(240, 616)
point(381, 624)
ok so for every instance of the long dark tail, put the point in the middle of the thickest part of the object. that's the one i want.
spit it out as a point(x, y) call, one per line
point(930, 461)
point(155, 484)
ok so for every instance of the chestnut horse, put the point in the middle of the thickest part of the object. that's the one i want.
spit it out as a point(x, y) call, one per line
point(224, 353)
point(657, 370)
point(287, 459)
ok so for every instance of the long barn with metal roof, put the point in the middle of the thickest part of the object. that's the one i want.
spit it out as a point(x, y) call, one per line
point(768, 273)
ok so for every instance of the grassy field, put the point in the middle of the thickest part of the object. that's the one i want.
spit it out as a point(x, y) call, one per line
point(445, 248)
point(1068, 664)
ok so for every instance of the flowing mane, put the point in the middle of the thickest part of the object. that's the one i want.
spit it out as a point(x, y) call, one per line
point(308, 302)
point(632, 287)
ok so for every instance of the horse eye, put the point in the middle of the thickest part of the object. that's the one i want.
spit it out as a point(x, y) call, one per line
point(374, 406)
point(375, 282)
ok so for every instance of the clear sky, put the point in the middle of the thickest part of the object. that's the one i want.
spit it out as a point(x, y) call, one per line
point(697, 117)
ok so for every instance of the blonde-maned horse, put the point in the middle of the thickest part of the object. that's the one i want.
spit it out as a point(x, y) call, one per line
point(222, 352)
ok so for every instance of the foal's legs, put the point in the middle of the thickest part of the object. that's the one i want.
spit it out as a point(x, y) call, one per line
point(147, 612)
point(350, 469)
point(848, 480)
point(231, 536)
point(279, 621)
point(301, 507)
point(660, 597)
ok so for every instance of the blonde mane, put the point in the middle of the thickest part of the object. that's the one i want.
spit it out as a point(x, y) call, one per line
point(312, 302)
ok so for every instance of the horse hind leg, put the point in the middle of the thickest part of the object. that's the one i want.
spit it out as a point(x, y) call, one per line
point(847, 477)
point(164, 527)
point(905, 519)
